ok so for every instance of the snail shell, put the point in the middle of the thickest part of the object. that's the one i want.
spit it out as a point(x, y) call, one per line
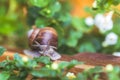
point(43, 41)
point(44, 36)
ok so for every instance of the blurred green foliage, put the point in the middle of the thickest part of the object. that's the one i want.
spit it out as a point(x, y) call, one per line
point(106, 4)
point(2, 50)
point(13, 26)
point(22, 68)
point(18, 16)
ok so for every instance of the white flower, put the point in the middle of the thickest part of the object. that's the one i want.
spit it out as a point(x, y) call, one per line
point(104, 22)
point(109, 67)
point(94, 5)
point(25, 59)
point(110, 39)
point(48, 66)
point(116, 54)
point(54, 66)
point(70, 75)
point(89, 21)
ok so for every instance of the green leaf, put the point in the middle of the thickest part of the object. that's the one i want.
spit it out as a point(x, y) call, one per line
point(55, 7)
point(66, 17)
point(68, 65)
point(73, 38)
point(43, 59)
point(81, 76)
point(97, 69)
point(7, 28)
point(51, 10)
point(31, 63)
point(72, 42)
point(78, 24)
point(3, 63)
point(65, 78)
point(18, 60)
point(87, 47)
point(17, 57)
point(116, 2)
point(39, 3)
point(2, 50)
point(4, 75)
point(96, 77)
point(73, 63)
point(44, 72)
point(63, 64)
point(41, 23)
point(116, 69)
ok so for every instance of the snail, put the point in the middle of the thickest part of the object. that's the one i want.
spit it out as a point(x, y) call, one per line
point(43, 42)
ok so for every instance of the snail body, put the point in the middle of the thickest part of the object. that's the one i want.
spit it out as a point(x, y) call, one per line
point(44, 41)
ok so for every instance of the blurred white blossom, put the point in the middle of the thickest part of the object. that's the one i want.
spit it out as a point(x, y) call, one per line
point(54, 66)
point(116, 54)
point(70, 75)
point(94, 5)
point(109, 67)
point(89, 21)
point(104, 22)
point(25, 59)
point(110, 39)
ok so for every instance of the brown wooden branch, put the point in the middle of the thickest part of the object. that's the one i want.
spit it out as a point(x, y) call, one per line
point(95, 59)
point(90, 59)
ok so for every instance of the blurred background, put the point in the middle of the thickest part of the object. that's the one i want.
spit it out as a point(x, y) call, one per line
point(82, 25)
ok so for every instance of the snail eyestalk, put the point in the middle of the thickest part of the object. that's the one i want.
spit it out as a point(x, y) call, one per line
point(47, 50)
